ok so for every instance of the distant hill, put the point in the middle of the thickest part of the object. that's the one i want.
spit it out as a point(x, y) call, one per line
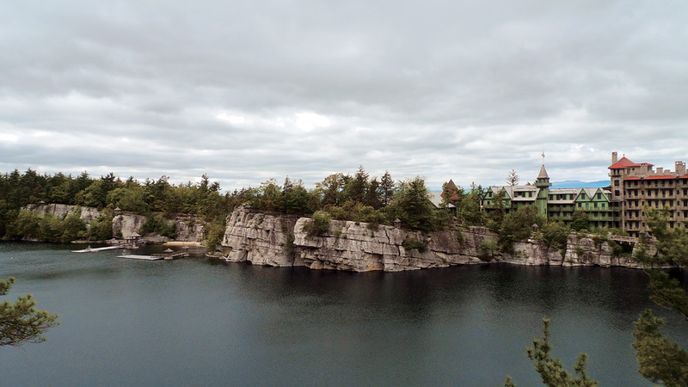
point(580, 184)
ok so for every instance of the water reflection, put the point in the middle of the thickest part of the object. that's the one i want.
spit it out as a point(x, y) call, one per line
point(201, 322)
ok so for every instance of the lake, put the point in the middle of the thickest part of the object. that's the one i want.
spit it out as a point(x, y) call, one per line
point(198, 322)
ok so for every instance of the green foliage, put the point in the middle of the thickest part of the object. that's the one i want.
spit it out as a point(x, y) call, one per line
point(411, 243)
point(487, 249)
point(101, 228)
point(128, 199)
point(555, 235)
point(17, 190)
point(159, 225)
point(214, 234)
point(411, 205)
point(387, 187)
point(73, 228)
point(660, 360)
point(551, 370)
point(29, 225)
point(469, 211)
point(296, 199)
point(496, 216)
point(580, 221)
point(20, 321)
point(319, 225)
point(518, 226)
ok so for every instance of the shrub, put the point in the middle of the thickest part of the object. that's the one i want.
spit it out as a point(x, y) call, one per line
point(319, 225)
point(214, 234)
point(555, 235)
point(411, 243)
point(517, 226)
point(101, 228)
point(488, 248)
point(159, 225)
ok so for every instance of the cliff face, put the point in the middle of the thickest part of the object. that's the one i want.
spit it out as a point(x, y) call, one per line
point(125, 225)
point(265, 240)
point(189, 228)
point(258, 238)
point(87, 214)
point(358, 247)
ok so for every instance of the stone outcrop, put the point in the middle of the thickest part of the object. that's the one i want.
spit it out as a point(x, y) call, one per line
point(275, 240)
point(189, 228)
point(258, 238)
point(357, 246)
point(87, 214)
point(126, 225)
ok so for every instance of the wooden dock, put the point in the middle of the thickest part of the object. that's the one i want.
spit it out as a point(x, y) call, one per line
point(97, 249)
point(141, 257)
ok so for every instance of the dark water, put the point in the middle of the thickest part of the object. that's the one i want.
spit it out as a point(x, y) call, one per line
point(193, 322)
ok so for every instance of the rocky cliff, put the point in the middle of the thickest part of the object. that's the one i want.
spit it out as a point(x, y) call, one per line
point(60, 211)
point(126, 225)
point(189, 228)
point(258, 238)
point(275, 240)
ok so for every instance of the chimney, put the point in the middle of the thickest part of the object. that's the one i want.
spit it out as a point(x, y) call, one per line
point(680, 168)
point(615, 157)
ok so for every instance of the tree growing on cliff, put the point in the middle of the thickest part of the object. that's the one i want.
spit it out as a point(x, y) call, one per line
point(387, 188)
point(411, 205)
point(20, 321)
point(518, 226)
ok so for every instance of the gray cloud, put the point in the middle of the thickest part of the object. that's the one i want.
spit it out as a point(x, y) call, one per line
point(246, 90)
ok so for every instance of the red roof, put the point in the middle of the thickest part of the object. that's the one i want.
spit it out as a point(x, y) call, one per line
point(625, 162)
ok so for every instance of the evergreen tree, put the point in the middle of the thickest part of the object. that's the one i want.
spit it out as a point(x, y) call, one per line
point(551, 370)
point(661, 360)
point(20, 321)
point(387, 188)
point(373, 195)
point(357, 186)
point(411, 205)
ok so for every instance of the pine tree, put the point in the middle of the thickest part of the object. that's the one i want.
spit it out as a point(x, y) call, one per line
point(551, 370)
point(20, 321)
point(660, 360)
point(387, 188)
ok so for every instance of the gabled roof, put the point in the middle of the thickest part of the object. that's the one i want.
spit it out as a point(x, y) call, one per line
point(511, 191)
point(625, 162)
point(436, 200)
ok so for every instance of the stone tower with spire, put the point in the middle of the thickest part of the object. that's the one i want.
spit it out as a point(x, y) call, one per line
point(543, 184)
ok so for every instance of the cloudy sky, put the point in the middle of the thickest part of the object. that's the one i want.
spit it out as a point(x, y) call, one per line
point(250, 90)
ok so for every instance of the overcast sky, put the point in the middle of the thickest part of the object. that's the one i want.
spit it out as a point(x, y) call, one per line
point(250, 90)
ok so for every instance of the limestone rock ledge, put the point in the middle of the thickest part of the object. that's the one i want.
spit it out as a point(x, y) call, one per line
point(60, 211)
point(126, 225)
point(258, 238)
point(278, 240)
point(189, 228)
